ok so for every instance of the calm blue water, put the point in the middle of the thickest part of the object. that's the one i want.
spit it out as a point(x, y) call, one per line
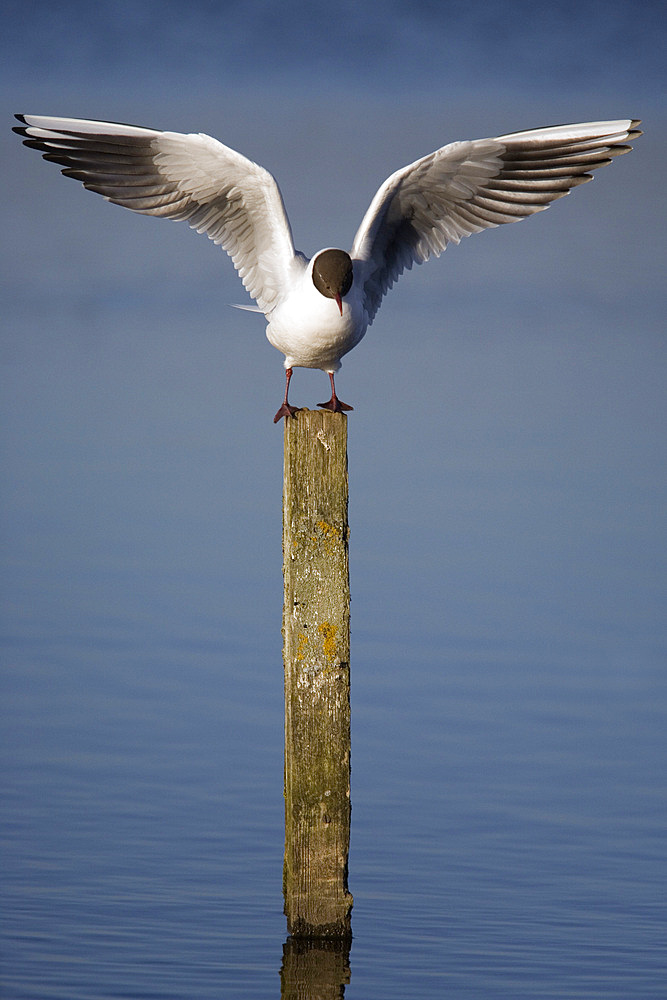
point(507, 481)
point(508, 681)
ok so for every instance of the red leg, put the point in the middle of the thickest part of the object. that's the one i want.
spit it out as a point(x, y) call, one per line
point(286, 410)
point(334, 403)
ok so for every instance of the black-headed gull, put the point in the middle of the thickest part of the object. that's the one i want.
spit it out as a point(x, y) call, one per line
point(319, 309)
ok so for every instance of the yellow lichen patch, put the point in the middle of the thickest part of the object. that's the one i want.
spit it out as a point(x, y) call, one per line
point(328, 632)
point(327, 529)
point(301, 648)
point(331, 535)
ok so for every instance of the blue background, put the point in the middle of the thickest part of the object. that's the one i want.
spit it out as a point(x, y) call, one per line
point(507, 479)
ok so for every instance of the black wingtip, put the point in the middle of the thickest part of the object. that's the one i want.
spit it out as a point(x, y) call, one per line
point(20, 130)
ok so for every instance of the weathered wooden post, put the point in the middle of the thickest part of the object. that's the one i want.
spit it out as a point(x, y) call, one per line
point(316, 651)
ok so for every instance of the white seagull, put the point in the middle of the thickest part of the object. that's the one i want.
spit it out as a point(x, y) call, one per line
point(319, 309)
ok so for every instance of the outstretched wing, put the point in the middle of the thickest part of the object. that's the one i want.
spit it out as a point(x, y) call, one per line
point(191, 177)
point(466, 187)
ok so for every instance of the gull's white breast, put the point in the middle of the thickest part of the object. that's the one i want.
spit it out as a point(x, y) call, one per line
point(309, 329)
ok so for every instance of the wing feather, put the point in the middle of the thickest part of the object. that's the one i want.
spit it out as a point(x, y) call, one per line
point(194, 178)
point(466, 187)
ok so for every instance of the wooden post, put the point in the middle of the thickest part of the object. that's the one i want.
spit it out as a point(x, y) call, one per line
point(316, 652)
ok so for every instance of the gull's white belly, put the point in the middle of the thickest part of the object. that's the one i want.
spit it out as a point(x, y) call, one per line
point(310, 331)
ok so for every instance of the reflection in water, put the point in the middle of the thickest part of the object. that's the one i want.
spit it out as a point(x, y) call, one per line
point(315, 969)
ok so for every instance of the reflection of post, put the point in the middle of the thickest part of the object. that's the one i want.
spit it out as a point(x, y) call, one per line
point(316, 621)
point(314, 970)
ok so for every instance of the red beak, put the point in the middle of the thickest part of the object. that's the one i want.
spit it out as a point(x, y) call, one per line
point(339, 303)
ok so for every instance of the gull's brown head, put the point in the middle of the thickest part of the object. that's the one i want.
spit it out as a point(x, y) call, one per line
point(332, 275)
